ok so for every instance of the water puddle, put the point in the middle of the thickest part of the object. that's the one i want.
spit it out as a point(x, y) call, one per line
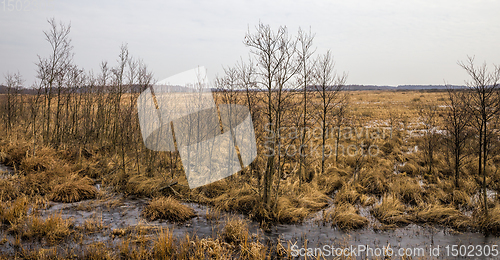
point(6, 171)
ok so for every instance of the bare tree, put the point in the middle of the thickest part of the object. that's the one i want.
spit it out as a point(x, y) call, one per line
point(456, 123)
point(483, 103)
point(13, 82)
point(328, 86)
point(274, 54)
point(52, 70)
point(306, 66)
point(429, 119)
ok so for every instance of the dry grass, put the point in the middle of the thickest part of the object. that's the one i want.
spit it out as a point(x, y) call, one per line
point(235, 231)
point(8, 190)
point(492, 223)
point(167, 208)
point(163, 246)
point(74, 189)
point(44, 159)
point(348, 194)
point(241, 198)
point(12, 212)
point(391, 211)
point(443, 215)
point(93, 224)
point(345, 216)
point(52, 229)
point(410, 169)
point(213, 214)
point(407, 189)
point(373, 181)
point(330, 182)
point(34, 184)
point(296, 204)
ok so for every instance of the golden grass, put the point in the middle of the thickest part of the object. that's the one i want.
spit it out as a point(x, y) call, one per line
point(52, 229)
point(167, 208)
point(407, 189)
point(235, 231)
point(93, 224)
point(98, 251)
point(74, 189)
point(410, 169)
point(8, 190)
point(12, 212)
point(492, 223)
point(163, 246)
point(36, 184)
point(443, 215)
point(347, 194)
point(373, 181)
point(330, 182)
point(241, 198)
point(391, 211)
point(215, 189)
point(213, 214)
point(294, 206)
point(345, 216)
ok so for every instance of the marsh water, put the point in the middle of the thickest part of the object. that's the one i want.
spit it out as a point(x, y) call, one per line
point(117, 212)
point(313, 234)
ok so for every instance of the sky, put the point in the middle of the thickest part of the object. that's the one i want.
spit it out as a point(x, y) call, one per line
point(382, 42)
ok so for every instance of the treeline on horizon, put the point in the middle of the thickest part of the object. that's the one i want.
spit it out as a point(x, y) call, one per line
point(139, 88)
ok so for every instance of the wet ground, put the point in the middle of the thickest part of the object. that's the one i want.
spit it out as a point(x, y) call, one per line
point(116, 212)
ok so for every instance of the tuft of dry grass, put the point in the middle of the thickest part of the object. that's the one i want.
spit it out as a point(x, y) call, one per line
point(36, 184)
point(330, 182)
point(443, 215)
point(240, 198)
point(408, 190)
point(167, 208)
point(460, 198)
point(12, 212)
point(373, 181)
point(53, 229)
point(163, 246)
point(347, 194)
point(98, 251)
point(345, 216)
point(215, 189)
point(213, 214)
point(410, 169)
point(235, 231)
point(8, 190)
point(93, 224)
point(492, 223)
point(75, 188)
point(391, 211)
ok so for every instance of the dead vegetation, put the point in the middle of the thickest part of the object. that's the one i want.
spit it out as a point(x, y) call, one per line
point(443, 215)
point(73, 190)
point(346, 216)
point(391, 211)
point(52, 229)
point(167, 208)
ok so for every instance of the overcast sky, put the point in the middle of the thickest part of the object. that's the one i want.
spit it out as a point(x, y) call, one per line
point(376, 42)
